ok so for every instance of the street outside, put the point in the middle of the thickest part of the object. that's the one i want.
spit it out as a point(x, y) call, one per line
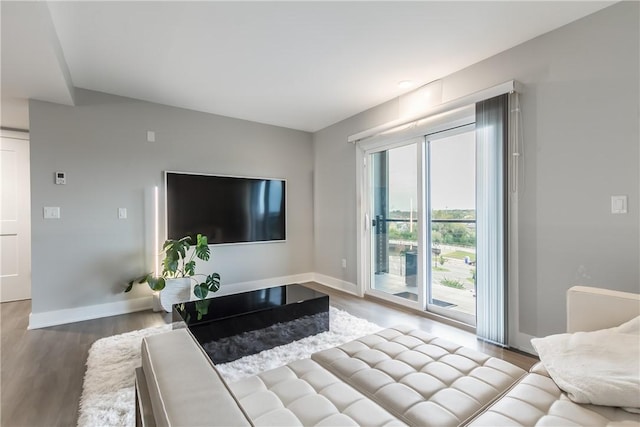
point(453, 281)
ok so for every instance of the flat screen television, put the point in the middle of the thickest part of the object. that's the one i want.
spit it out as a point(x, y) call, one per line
point(226, 209)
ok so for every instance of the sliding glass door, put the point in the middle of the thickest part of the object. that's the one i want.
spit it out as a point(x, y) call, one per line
point(436, 210)
point(422, 213)
point(395, 223)
point(451, 197)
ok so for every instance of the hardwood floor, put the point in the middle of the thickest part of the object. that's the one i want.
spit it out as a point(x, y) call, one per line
point(42, 370)
point(388, 315)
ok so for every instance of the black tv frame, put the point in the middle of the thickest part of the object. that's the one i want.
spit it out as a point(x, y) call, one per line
point(286, 207)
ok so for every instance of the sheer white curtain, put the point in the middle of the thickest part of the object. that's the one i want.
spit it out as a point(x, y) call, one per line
point(491, 233)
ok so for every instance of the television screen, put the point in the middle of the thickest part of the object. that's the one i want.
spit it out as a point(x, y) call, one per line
point(225, 209)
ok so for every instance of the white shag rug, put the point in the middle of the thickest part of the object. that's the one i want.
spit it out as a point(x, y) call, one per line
point(108, 396)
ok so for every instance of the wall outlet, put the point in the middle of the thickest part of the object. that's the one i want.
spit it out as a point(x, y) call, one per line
point(618, 204)
point(344, 263)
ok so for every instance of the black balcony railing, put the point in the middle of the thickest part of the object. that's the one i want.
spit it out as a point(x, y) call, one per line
point(459, 221)
point(380, 224)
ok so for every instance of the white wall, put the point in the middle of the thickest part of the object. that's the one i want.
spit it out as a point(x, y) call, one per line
point(84, 258)
point(581, 132)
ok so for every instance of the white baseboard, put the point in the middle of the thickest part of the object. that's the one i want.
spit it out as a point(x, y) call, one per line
point(235, 288)
point(334, 283)
point(523, 343)
point(79, 314)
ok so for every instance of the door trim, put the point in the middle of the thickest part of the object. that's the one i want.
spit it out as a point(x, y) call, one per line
point(24, 202)
point(364, 213)
point(14, 134)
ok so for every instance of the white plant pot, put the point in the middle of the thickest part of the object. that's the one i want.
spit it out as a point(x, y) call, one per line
point(175, 291)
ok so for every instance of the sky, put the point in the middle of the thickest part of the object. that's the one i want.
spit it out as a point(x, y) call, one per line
point(452, 174)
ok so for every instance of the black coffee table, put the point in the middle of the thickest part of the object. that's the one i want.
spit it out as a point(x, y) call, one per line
point(234, 326)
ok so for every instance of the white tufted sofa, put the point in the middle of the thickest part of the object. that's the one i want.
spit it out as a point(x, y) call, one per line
point(398, 376)
point(537, 400)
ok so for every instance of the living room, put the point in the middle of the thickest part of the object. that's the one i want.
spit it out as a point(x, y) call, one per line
point(579, 102)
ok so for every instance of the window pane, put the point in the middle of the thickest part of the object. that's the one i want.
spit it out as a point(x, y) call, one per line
point(395, 221)
point(453, 230)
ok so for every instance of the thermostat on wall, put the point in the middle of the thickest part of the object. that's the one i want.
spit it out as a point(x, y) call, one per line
point(61, 178)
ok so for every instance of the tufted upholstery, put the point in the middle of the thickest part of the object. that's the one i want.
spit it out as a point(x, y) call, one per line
point(184, 386)
point(304, 394)
point(537, 400)
point(398, 375)
point(421, 379)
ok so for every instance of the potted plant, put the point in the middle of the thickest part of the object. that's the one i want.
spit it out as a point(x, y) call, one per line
point(178, 272)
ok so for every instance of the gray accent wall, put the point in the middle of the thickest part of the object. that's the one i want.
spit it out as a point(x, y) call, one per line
point(85, 257)
point(580, 106)
point(581, 121)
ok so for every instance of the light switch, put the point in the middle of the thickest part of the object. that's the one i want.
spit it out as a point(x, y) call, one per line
point(51, 212)
point(122, 213)
point(151, 136)
point(618, 204)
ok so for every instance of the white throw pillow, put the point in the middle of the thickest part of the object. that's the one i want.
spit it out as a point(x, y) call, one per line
point(600, 367)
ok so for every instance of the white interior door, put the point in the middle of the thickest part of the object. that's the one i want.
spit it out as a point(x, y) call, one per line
point(15, 214)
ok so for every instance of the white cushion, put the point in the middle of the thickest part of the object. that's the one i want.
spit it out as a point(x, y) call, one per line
point(591, 309)
point(303, 393)
point(184, 386)
point(420, 378)
point(537, 400)
point(599, 367)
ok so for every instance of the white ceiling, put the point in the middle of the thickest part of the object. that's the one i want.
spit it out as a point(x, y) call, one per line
point(303, 65)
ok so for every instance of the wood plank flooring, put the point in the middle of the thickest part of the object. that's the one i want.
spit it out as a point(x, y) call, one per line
point(388, 315)
point(42, 370)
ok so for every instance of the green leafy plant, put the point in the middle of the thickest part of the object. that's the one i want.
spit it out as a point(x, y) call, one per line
point(178, 262)
point(451, 283)
point(201, 308)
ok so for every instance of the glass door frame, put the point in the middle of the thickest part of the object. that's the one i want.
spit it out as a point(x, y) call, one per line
point(432, 308)
point(367, 247)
